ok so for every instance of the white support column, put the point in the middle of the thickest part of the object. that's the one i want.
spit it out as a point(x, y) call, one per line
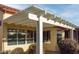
point(39, 36)
point(71, 34)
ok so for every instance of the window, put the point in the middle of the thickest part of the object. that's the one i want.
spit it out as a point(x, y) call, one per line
point(35, 36)
point(16, 37)
point(21, 36)
point(30, 36)
point(12, 37)
point(67, 33)
point(59, 36)
point(46, 36)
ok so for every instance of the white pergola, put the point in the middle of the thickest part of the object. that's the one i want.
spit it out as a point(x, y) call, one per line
point(38, 18)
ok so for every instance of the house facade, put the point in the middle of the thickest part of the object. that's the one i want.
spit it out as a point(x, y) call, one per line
point(32, 25)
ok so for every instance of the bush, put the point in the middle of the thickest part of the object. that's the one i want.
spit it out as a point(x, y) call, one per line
point(32, 49)
point(68, 46)
point(17, 51)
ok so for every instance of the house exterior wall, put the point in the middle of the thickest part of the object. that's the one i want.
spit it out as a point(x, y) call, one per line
point(52, 44)
point(1, 30)
point(6, 15)
point(3, 15)
point(7, 47)
point(63, 34)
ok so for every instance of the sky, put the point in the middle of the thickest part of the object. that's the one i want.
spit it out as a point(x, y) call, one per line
point(69, 12)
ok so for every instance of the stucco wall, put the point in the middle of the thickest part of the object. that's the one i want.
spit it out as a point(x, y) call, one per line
point(6, 15)
point(7, 47)
point(52, 44)
point(1, 30)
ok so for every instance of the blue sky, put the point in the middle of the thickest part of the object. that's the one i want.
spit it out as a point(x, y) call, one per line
point(69, 12)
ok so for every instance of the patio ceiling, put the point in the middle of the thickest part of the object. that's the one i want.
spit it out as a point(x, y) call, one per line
point(31, 23)
point(22, 19)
